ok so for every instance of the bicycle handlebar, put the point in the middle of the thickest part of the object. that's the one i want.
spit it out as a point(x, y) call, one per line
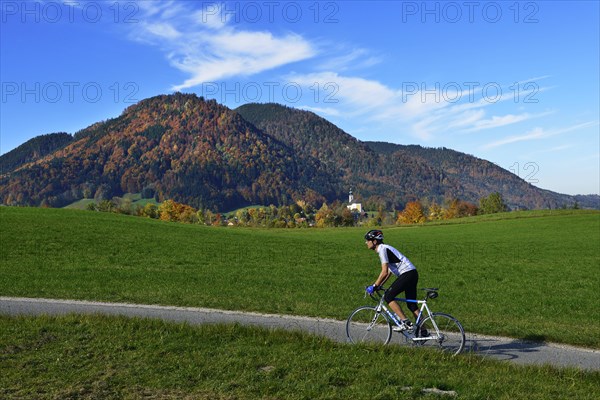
point(376, 290)
point(432, 293)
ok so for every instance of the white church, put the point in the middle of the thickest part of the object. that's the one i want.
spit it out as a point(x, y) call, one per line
point(353, 206)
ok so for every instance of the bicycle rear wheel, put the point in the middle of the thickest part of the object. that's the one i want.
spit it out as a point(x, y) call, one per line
point(442, 331)
point(367, 325)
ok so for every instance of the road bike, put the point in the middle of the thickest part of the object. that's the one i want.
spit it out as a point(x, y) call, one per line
point(377, 323)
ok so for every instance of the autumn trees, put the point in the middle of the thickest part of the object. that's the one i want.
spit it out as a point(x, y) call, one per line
point(417, 213)
point(412, 214)
point(302, 214)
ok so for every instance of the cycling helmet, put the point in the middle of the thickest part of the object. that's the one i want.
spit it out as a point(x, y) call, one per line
point(374, 234)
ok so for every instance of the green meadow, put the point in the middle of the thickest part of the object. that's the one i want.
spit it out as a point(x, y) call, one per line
point(93, 357)
point(529, 275)
point(134, 199)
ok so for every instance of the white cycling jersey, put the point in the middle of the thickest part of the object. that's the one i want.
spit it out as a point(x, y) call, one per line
point(397, 262)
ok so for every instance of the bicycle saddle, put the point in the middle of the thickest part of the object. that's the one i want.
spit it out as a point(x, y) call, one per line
point(431, 292)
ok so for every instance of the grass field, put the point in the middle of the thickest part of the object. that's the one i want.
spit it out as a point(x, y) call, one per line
point(117, 358)
point(135, 199)
point(526, 276)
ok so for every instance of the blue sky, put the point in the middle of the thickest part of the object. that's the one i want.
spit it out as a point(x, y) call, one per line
point(515, 83)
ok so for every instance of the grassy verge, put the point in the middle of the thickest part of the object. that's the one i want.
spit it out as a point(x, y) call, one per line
point(513, 215)
point(110, 358)
point(135, 199)
point(534, 278)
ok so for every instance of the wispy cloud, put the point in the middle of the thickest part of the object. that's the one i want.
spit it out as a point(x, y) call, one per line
point(230, 54)
point(424, 113)
point(204, 45)
point(355, 95)
point(353, 59)
point(322, 110)
point(162, 30)
point(498, 121)
point(207, 46)
point(532, 80)
point(538, 133)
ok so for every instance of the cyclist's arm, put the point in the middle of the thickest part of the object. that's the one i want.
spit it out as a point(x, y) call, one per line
point(384, 275)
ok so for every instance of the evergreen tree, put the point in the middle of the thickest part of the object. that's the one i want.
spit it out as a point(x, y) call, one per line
point(494, 203)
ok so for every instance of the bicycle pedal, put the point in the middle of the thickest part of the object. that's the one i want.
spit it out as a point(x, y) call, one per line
point(403, 328)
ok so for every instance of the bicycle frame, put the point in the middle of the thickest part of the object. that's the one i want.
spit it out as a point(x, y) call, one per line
point(375, 323)
point(393, 317)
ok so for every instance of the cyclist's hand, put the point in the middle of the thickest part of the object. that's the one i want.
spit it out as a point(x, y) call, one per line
point(371, 289)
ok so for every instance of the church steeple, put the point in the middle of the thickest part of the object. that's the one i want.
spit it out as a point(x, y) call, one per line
point(353, 206)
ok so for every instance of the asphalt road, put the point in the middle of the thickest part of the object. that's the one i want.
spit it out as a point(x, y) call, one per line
point(517, 351)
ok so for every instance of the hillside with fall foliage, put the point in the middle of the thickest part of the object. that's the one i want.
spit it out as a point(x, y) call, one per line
point(203, 154)
point(392, 174)
point(32, 150)
point(179, 147)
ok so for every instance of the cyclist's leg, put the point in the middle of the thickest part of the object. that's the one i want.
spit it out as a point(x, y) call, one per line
point(396, 308)
point(407, 282)
point(394, 290)
point(412, 280)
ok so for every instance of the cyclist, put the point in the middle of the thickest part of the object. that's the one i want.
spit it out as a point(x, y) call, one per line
point(394, 262)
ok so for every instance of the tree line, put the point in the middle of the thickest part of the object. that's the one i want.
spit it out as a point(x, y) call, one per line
point(303, 215)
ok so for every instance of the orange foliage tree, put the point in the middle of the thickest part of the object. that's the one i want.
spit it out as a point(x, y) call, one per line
point(172, 211)
point(412, 214)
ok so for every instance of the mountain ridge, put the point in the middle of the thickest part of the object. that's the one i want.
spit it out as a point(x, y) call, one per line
point(438, 174)
point(199, 152)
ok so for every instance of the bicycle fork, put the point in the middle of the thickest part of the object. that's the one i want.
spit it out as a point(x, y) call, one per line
point(375, 317)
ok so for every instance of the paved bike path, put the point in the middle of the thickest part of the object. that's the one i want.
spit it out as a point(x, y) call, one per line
point(518, 351)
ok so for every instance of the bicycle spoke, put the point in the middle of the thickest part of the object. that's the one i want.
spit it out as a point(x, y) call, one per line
point(442, 331)
point(366, 324)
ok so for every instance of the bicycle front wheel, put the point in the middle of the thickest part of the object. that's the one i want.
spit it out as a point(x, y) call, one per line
point(367, 325)
point(442, 331)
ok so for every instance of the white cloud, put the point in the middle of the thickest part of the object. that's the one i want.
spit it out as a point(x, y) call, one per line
point(322, 110)
point(465, 118)
point(538, 133)
point(424, 113)
point(212, 16)
point(353, 59)
point(162, 30)
point(498, 121)
point(535, 133)
point(531, 81)
point(202, 44)
point(355, 95)
point(208, 47)
point(229, 54)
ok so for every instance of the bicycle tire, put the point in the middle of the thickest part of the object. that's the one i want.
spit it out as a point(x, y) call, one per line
point(451, 337)
point(367, 325)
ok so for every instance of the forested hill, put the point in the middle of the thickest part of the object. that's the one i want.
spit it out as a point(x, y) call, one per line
point(476, 175)
point(33, 149)
point(204, 154)
point(349, 162)
point(177, 146)
point(392, 173)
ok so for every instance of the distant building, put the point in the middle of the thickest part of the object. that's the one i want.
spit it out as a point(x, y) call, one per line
point(353, 206)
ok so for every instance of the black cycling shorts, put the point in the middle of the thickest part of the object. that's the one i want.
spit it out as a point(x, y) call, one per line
point(407, 283)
